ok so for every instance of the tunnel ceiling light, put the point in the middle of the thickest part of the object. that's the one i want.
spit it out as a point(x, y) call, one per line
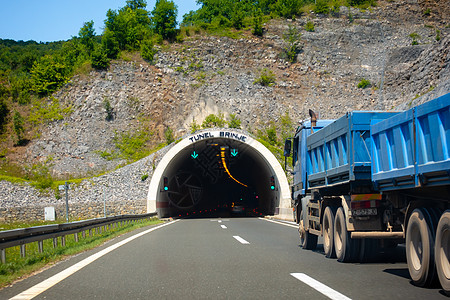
point(222, 155)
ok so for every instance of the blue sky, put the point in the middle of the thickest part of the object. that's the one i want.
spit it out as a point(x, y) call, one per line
point(56, 20)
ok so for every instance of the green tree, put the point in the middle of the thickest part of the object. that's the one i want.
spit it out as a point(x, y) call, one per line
point(100, 59)
point(288, 8)
point(164, 18)
point(237, 15)
point(110, 44)
point(87, 35)
point(48, 74)
point(126, 28)
point(257, 23)
point(136, 4)
point(321, 7)
point(292, 39)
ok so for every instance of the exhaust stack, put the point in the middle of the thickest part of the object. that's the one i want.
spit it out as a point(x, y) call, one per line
point(313, 120)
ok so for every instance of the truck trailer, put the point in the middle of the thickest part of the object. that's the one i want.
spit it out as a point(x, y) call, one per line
point(376, 179)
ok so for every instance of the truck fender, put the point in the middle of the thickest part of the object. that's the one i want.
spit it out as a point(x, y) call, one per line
point(304, 205)
point(345, 202)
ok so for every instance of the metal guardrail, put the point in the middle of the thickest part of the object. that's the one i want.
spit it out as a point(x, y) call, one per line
point(22, 236)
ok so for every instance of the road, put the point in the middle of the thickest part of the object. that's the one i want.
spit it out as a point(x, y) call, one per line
point(219, 258)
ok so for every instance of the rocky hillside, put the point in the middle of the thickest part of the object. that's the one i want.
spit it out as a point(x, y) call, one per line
point(208, 74)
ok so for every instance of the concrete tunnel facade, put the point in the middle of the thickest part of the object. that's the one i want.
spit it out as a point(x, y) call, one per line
point(212, 170)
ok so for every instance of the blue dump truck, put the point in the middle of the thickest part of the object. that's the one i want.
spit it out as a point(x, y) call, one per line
point(375, 179)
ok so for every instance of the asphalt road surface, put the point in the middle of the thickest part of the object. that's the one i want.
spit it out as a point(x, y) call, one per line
point(218, 258)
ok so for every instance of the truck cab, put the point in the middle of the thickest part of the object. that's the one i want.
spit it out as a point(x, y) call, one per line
point(299, 185)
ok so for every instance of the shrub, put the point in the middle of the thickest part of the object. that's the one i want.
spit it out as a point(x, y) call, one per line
point(309, 26)
point(100, 60)
point(3, 115)
point(213, 121)
point(292, 39)
point(257, 23)
point(438, 35)
point(109, 109)
point(168, 134)
point(414, 36)
point(194, 126)
point(148, 51)
point(234, 122)
point(321, 7)
point(18, 127)
point(363, 83)
point(266, 78)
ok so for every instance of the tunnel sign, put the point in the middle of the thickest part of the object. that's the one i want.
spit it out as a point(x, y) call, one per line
point(222, 134)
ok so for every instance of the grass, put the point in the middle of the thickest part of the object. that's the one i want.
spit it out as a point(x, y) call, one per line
point(17, 267)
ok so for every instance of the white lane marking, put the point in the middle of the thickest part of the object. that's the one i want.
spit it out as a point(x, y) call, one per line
point(241, 240)
point(281, 223)
point(320, 287)
point(220, 221)
point(48, 283)
point(223, 226)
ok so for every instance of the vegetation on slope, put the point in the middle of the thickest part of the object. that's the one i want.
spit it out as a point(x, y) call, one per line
point(31, 72)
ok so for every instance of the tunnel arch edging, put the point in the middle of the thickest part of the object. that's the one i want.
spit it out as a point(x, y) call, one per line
point(269, 158)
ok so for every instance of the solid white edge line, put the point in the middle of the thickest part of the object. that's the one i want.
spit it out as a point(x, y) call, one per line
point(241, 240)
point(223, 226)
point(48, 283)
point(281, 223)
point(320, 287)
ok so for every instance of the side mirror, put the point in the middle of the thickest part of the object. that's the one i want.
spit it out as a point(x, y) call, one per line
point(287, 147)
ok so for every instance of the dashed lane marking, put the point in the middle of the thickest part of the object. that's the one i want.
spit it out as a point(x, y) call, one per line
point(320, 287)
point(55, 279)
point(223, 226)
point(281, 223)
point(241, 240)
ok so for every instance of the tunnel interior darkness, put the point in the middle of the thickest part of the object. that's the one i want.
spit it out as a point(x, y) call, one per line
point(214, 175)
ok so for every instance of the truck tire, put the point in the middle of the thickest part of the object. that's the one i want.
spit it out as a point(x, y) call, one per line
point(328, 232)
point(420, 237)
point(442, 251)
point(347, 250)
point(307, 240)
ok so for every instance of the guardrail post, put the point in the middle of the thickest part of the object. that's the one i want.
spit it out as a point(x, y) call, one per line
point(75, 235)
point(41, 246)
point(3, 256)
point(83, 234)
point(55, 242)
point(63, 240)
point(23, 250)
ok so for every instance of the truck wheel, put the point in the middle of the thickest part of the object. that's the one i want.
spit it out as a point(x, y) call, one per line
point(346, 248)
point(442, 251)
point(307, 240)
point(328, 232)
point(420, 236)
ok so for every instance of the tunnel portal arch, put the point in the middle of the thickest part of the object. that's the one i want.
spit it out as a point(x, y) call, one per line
point(214, 168)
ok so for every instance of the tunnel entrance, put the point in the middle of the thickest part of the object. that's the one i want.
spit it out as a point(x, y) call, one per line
point(222, 172)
